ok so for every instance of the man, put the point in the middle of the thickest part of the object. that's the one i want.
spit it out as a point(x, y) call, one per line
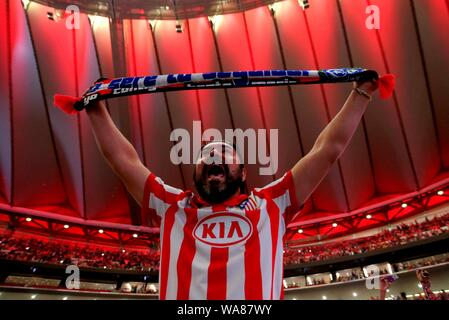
point(424, 279)
point(224, 243)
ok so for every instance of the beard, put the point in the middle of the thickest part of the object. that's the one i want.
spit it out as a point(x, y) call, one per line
point(214, 190)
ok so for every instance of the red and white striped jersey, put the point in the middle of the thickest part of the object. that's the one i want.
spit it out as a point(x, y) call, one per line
point(233, 250)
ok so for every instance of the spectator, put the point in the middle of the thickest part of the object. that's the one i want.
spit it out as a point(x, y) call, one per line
point(91, 256)
point(398, 236)
point(87, 256)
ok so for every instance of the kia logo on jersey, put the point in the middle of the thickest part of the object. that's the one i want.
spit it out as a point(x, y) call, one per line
point(223, 229)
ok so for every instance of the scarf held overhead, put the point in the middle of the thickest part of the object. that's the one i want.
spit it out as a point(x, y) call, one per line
point(119, 87)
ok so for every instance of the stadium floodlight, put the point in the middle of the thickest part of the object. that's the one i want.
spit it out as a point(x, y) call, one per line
point(178, 27)
point(58, 14)
point(152, 24)
point(304, 4)
point(215, 21)
point(26, 4)
point(272, 9)
point(50, 16)
point(102, 6)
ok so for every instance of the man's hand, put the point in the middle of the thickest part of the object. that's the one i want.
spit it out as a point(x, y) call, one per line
point(368, 86)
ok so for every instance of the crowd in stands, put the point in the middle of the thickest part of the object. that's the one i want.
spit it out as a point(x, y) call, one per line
point(317, 281)
point(356, 274)
point(139, 287)
point(353, 275)
point(54, 252)
point(400, 235)
point(420, 263)
point(441, 295)
point(85, 255)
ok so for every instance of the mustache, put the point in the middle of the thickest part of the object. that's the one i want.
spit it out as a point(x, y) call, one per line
point(214, 193)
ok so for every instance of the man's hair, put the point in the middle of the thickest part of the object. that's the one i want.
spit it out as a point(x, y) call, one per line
point(243, 186)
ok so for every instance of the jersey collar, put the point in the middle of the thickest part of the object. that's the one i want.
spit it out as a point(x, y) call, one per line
point(236, 200)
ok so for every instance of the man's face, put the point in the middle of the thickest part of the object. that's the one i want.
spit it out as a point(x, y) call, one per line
point(218, 172)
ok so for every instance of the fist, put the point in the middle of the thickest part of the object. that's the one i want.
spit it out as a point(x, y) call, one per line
point(368, 86)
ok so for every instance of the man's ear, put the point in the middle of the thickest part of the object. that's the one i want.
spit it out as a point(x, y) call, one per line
point(243, 174)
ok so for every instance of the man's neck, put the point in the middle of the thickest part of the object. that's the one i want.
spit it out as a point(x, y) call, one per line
point(204, 202)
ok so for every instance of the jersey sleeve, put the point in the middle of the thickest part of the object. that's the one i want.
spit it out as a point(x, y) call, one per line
point(157, 198)
point(282, 192)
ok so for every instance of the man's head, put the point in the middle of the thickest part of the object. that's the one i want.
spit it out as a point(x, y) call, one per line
point(219, 172)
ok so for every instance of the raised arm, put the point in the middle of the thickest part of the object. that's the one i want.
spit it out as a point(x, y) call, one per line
point(330, 144)
point(118, 152)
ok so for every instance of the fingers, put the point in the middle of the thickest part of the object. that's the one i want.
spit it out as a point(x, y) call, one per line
point(369, 86)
